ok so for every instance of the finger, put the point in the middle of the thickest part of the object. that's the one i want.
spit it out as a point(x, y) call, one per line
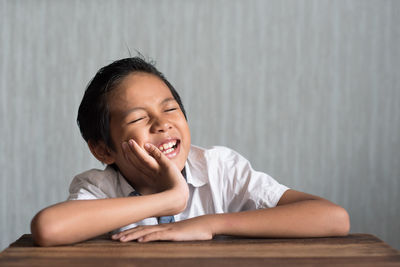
point(125, 148)
point(165, 234)
point(131, 155)
point(131, 230)
point(139, 234)
point(141, 155)
point(157, 154)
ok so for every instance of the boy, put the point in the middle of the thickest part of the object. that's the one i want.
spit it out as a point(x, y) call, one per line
point(163, 187)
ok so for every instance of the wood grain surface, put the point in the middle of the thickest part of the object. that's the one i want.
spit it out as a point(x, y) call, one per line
point(308, 91)
point(353, 250)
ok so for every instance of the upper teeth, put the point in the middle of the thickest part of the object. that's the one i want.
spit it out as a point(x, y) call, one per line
point(167, 145)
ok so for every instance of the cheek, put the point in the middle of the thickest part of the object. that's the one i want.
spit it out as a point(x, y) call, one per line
point(186, 139)
point(186, 130)
point(140, 137)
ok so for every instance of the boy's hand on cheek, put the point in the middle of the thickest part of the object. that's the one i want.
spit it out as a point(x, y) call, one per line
point(156, 168)
point(197, 228)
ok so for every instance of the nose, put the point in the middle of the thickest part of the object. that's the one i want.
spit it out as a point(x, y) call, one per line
point(160, 126)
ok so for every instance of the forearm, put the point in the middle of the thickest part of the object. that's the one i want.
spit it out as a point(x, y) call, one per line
point(78, 220)
point(309, 218)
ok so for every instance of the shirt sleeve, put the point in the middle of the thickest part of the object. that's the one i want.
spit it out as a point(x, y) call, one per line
point(100, 184)
point(87, 186)
point(247, 189)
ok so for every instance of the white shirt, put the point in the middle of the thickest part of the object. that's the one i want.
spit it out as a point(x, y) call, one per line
point(219, 179)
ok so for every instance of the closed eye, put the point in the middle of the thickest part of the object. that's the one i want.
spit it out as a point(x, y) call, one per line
point(139, 119)
point(171, 109)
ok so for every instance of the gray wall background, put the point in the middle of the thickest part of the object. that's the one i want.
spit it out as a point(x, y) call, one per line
point(308, 91)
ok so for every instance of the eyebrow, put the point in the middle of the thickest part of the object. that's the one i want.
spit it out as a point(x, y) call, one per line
point(141, 108)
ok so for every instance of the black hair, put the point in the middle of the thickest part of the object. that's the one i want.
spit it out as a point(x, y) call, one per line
point(93, 114)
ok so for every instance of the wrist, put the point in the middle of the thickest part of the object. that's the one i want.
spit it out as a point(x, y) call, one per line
point(174, 200)
point(216, 223)
point(181, 193)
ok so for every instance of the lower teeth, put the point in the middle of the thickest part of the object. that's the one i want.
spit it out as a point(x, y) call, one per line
point(168, 150)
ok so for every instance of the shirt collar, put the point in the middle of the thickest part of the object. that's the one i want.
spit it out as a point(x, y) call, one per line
point(126, 188)
point(195, 180)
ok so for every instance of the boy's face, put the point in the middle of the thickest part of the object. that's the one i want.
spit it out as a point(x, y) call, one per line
point(142, 108)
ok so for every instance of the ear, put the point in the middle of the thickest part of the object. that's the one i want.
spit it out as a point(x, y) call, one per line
point(101, 152)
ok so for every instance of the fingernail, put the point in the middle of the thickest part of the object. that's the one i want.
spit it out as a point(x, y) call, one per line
point(147, 145)
point(140, 239)
point(123, 238)
point(124, 145)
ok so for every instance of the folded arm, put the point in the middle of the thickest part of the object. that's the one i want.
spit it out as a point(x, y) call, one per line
point(297, 215)
point(78, 220)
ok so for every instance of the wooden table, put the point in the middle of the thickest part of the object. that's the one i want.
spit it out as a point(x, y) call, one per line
point(353, 250)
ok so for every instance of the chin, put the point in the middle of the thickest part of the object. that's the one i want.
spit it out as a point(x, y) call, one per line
point(178, 163)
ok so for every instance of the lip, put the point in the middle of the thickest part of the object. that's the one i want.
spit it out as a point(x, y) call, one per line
point(173, 153)
point(166, 141)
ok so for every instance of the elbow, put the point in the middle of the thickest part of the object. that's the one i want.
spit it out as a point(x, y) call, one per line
point(341, 222)
point(180, 204)
point(43, 231)
point(180, 200)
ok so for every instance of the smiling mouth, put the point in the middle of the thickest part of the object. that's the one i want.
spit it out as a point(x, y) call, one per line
point(170, 148)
